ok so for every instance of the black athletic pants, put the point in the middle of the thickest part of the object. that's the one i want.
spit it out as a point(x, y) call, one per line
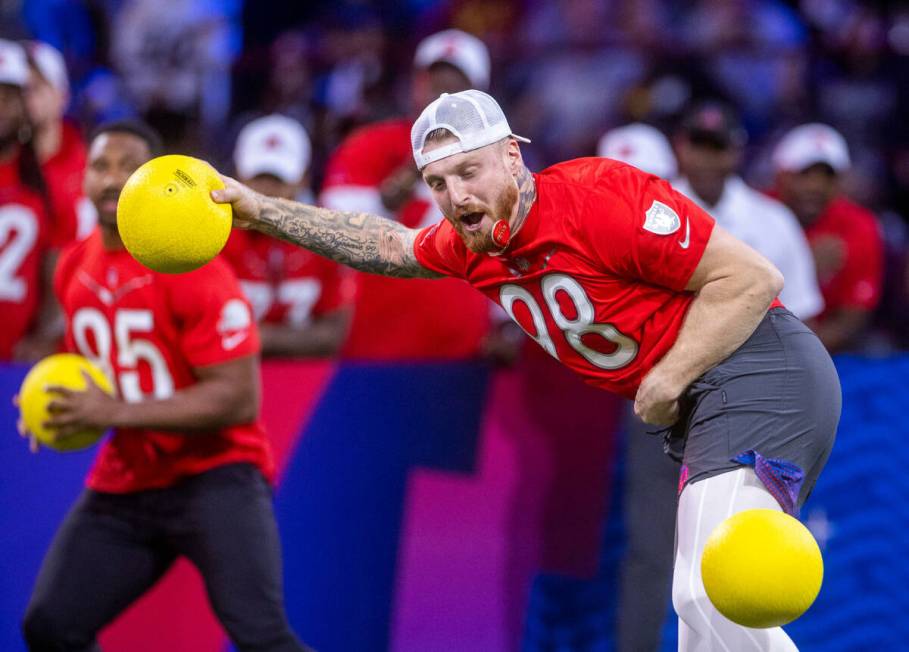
point(111, 548)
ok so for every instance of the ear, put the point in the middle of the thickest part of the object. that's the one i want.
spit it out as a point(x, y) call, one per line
point(513, 159)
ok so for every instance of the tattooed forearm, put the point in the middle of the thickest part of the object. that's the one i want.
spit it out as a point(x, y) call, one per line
point(363, 241)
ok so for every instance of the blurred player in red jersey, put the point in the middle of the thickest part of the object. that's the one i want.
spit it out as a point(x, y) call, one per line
point(844, 237)
point(299, 298)
point(58, 142)
point(186, 471)
point(372, 171)
point(26, 228)
point(635, 288)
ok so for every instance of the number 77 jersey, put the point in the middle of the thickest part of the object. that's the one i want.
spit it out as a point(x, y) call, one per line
point(597, 273)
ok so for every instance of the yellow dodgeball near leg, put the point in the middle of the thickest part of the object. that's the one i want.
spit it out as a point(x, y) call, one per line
point(64, 369)
point(762, 568)
point(166, 217)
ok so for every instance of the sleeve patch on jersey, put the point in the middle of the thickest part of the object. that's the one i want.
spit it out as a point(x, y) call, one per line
point(234, 324)
point(661, 219)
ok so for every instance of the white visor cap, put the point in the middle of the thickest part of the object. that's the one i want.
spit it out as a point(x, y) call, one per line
point(276, 145)
point(810, 144)
point(472, 116)
point(465, 52)
point(642, 146)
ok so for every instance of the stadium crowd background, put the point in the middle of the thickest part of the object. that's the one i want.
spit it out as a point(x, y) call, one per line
point(565, 72)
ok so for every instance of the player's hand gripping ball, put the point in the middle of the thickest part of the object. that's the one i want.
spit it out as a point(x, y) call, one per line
point(762, 568)
point(166, 217)
point(64, 369)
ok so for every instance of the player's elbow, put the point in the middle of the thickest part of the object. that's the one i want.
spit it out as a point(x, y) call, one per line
point(245, 412)
point(767, 281)
point(234, 406)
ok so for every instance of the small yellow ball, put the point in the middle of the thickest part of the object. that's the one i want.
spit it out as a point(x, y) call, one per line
point(167, 218)
point(762, 568)
point(64, 369)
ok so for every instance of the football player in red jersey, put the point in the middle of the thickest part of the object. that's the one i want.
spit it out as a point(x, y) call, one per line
point(26, 229)
point(300, 300)
point(58, 143)
point(845, 238)
point(186, 470)
point(635, 288)
point(373, 171)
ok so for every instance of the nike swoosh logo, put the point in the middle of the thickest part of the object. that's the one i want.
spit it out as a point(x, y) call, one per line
point(230, 342)
point(687, 241)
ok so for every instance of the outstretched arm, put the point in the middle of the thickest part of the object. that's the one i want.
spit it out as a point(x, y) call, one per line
point(363, 241)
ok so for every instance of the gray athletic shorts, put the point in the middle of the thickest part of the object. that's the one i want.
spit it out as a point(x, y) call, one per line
point(774, 404)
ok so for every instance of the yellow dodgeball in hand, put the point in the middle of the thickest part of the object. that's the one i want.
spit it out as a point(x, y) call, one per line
point(65, 370)
point(166, 217)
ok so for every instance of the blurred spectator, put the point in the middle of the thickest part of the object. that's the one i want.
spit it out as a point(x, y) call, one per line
point(354, 44)
point(289, 89)
point(373, 171)
point(174, 57)
point(845, 238)
point(642, 146)
point(298, 298)
point(754, 51)
point(574, 69)
point(710, 144)
point(30, 329)
point(58, 142)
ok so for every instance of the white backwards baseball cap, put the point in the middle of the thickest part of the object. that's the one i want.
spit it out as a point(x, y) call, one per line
point(275, 145)
point(464, 51)
point(472, 116)
point(810, 144)
point(13, 64)
point(642, 146)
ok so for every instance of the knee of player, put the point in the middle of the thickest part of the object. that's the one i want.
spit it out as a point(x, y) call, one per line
point(43, 627)
point(689, 598)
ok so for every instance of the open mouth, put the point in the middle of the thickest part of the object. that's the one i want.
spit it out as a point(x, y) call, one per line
point(471, 221)
point(109, 201)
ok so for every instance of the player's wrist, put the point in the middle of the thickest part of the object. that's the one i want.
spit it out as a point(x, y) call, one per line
point(673, 379)
point(119, 414)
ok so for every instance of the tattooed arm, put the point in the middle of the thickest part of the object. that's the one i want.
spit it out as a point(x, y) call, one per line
point(363, 241)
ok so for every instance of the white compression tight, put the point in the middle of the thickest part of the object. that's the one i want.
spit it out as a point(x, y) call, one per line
point(702, 506)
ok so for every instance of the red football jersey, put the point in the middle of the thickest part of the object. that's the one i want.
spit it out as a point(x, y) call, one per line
point(149, 331)
point(597, 273)
point(395, 319)
point(24, 235)
point(284, 283)
point(73, 216)
point(854, 275)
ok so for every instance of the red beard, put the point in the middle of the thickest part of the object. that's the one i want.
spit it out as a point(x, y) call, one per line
point(482, 242)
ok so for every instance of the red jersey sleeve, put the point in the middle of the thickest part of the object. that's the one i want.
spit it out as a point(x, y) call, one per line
point(440, 249)
point(217, 323)
point(369, 155)
point(640, 228)
point(862, 275)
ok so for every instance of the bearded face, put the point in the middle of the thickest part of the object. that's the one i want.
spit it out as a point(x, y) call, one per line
point(473, 190)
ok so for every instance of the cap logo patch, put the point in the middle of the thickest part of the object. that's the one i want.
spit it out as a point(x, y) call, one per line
point(661, 219)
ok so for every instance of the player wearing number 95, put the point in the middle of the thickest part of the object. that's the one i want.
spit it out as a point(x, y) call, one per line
point(186, 471)
point(635, 288)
